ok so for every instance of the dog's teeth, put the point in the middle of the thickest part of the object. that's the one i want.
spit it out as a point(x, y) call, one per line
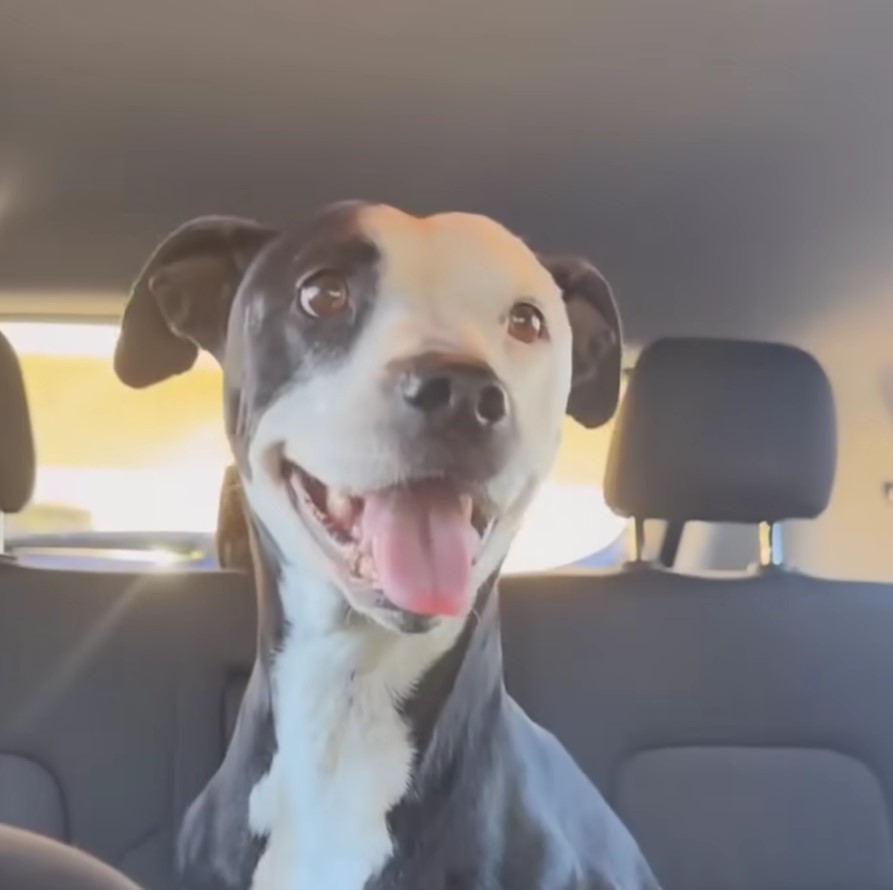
point(467, 506)
point(365, 567)
point(340, 507)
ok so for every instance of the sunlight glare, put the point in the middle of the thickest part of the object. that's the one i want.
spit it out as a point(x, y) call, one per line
point(564, 524)
point(66, 339)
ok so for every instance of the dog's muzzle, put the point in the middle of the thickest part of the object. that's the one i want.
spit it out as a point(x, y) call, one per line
point(411, 542)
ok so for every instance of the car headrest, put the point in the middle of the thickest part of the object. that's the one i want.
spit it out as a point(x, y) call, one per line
point(16, 440)
point(723, 431)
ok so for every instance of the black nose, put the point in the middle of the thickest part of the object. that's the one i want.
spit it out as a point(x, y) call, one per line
point(452, 391)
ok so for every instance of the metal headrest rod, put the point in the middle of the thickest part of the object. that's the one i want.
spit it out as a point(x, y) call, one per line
point(637, 537)
point(2, 533)
point(771, 545)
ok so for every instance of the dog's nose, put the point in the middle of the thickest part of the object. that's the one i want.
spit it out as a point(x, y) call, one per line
point(455, 392)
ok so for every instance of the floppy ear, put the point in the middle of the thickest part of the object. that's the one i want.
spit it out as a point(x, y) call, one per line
point(181, 300)
point(597, 339)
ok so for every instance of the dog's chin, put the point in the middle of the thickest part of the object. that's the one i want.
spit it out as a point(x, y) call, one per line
point(334, 521)
point(388, 616)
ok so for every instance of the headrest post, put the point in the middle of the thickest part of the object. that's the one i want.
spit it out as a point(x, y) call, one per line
point(723, 431)
point(2, 533)
point(637, 537)
point(771, 545)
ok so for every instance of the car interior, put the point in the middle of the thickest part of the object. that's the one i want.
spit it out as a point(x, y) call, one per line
point(701, 609)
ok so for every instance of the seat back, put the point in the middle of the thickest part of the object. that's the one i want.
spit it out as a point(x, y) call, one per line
point(740, 727)
point(740, 723)
point(115, 689)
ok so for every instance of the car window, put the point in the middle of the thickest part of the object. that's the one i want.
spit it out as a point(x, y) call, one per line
point(123, 462)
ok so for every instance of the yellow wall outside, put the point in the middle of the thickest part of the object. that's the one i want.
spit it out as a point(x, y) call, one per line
point(84, 417)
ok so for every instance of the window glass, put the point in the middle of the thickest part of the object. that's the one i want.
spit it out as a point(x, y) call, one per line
point(117, 460)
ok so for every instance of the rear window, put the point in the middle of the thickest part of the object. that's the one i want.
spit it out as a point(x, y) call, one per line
point(146, 466)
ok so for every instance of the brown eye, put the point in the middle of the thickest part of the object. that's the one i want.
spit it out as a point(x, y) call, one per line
point(526, 323)
point(324, 295)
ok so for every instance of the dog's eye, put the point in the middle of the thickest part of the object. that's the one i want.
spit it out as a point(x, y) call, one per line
point(526, 323)
point(324, 295)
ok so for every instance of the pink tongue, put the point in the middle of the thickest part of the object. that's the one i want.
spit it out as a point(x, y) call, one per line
point(422, 544)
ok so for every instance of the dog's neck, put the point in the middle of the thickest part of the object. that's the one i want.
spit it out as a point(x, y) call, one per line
point(369, 724)
point(366, 649)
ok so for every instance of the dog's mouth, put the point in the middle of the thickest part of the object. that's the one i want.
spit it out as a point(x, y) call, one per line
point(415, 543)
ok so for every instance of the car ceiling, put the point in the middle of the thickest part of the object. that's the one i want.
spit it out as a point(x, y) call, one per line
point(726, 163)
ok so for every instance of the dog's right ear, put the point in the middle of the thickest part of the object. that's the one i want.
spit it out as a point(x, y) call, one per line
point(182, 299)
point(597, 339)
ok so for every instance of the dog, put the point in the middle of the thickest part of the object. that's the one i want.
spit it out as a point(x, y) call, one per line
point(394, 388)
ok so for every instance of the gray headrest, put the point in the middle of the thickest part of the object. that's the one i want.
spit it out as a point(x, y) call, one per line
point(723, 431)
point(16, 442)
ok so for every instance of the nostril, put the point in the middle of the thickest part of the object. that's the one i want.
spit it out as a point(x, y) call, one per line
point(428, 394)
point(491, 405)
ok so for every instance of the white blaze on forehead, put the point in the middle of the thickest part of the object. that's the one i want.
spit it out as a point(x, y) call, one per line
point(455, 262)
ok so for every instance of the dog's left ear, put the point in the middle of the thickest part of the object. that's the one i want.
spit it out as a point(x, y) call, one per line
point(597, 339)
point(182, 298)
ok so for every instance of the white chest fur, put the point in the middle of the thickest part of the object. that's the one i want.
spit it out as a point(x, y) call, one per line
point(344, 756)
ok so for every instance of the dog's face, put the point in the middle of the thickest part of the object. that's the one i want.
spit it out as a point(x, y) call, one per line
point(394, 388)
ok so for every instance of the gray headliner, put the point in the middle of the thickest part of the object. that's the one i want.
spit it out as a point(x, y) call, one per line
point(721, 161)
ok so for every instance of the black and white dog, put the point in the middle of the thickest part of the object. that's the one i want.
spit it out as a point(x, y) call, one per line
point(394, 394)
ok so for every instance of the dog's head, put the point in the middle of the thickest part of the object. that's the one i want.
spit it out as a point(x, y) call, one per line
point(394, 387)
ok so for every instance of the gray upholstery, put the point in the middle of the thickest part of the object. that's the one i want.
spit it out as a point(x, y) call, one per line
point(16, 441)
point(740, 724)
point(31, 862)
point(115, 685)
point(620, 665)
point(759, 817)
point(31, 797)
point(742, 727)
point(723, 431)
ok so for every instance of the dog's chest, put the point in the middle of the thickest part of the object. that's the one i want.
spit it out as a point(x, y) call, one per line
point(343, 761)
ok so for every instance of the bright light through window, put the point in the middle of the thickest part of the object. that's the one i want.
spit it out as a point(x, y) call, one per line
point(111, 459)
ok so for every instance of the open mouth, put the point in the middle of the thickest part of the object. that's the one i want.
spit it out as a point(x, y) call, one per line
point(416, 542)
